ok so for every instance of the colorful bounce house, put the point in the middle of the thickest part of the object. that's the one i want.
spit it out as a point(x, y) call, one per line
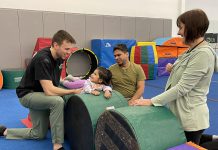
point(168, 50)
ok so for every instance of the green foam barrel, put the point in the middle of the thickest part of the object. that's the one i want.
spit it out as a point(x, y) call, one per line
point(81, 114)
point(12, 77)
point(138, 128)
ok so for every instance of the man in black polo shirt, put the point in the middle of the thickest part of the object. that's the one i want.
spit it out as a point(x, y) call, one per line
point(39, 91)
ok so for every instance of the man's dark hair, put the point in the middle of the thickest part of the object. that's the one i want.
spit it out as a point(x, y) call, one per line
point(196, 24)
point(61, 36)
point(121, 47)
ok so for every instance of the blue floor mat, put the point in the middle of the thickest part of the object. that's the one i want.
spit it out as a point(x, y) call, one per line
point(11, 113)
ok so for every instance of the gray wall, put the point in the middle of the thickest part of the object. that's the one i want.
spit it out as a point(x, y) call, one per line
point(19, 30)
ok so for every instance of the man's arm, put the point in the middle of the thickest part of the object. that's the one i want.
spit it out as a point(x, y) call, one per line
point(140, 85)
point(51, 90)
point(139, 92)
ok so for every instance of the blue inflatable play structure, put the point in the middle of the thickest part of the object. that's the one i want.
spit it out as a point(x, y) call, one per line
point(103, 48)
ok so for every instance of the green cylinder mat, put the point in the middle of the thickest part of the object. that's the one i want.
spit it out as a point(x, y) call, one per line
point(138, 128)
point(81, 114)
point(12, 77)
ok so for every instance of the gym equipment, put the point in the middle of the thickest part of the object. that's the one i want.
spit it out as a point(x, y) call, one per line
point(12, 77)
point(81, 114)
point(103, 48)
point(41, 43)
point(153, 44)
point(168, 50)
point(138, 128)
point(162, 62)
point(170, 47)
point(146, 56)
point(81, 63)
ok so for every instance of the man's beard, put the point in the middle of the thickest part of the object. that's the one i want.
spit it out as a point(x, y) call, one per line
point(123, 63)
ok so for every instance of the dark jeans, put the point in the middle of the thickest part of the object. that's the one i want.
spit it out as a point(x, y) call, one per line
point(194, 136)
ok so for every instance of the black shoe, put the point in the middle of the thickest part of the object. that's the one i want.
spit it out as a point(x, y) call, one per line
point(62, 148)
point(206, 138)
point(2, 130)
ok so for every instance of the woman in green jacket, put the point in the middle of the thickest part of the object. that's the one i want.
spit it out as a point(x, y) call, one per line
point(188, 85)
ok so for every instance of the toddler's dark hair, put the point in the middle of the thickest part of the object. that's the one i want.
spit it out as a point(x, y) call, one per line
point(105, 75)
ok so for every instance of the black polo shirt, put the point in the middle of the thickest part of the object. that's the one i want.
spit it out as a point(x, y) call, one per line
point(42, 67)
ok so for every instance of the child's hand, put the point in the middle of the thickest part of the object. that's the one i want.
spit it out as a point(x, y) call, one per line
point(107, 94)
point(96, 93)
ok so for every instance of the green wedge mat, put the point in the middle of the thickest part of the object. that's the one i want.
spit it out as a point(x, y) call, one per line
point(12, 77)
point(138, 128)
point(81, 114)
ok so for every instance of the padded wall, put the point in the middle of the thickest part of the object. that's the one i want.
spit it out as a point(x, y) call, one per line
point(20, 29)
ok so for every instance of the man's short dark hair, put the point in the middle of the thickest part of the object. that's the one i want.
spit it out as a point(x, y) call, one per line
point(121, 47)
point(196, 24)
point(61, 36)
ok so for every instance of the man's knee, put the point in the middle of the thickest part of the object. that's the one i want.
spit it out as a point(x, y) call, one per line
point(39, 135)
point(58, 101)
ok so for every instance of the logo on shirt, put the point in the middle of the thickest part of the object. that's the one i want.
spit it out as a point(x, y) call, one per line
point(60, 67)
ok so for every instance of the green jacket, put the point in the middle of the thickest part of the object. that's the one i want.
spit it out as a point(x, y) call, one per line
point(187, 87)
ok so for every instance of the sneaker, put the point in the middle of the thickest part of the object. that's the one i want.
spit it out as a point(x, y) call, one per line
point(2, 130)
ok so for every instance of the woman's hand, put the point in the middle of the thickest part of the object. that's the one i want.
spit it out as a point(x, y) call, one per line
point(169, 67)
point(95, 92)
point(107, 94)
point(141, 102)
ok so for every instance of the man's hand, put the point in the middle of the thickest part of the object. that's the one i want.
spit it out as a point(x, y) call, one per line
point(96, 93)
point(169, 67)
point(130, 102)
point(77, 91)
point(51, 90)
point(141, 102)
point(107, 94)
